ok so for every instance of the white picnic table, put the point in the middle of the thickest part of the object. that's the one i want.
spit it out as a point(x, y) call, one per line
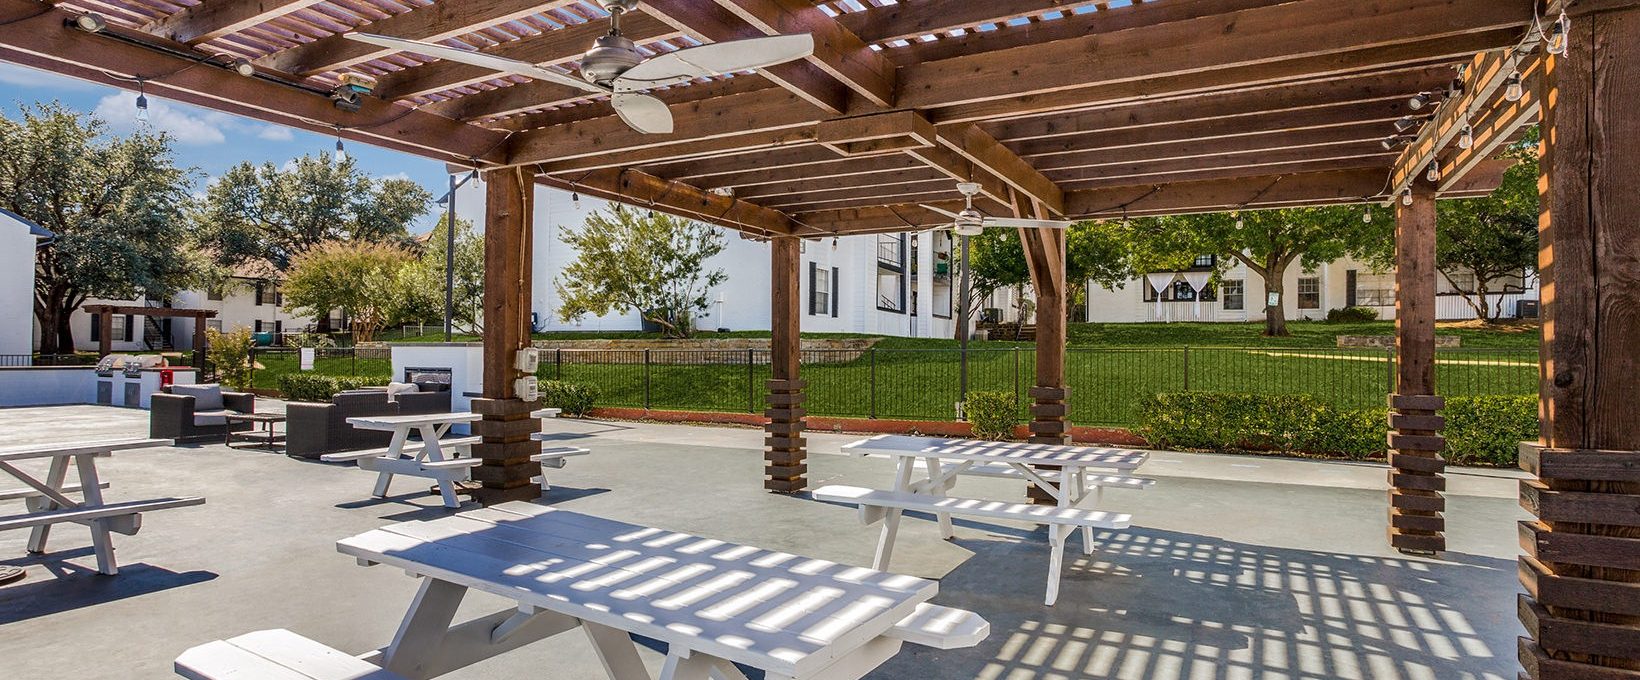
point(928, 467)
point(713, 603)
point(431, 458)
point(47, 502)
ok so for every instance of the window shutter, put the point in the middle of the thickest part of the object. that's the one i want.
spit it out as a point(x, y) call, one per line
point(813, 269)
point(834, 292)
point(96, 327)
point(258, 298)
point(256, 326)
point(128, 324)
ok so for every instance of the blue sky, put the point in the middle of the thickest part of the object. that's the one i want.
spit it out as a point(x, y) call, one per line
point(209, 140)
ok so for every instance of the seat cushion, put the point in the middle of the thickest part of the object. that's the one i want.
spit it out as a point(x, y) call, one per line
point(211, 418)
point(207, 397)
point(394, 389)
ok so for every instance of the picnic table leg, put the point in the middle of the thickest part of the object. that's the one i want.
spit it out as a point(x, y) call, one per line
point(616, 651)
point(936, 488)
point(1069, 480)
point(395, 450)
point(433, 453)
point(100, 540)
point(891, 519)
point(692, 667)
point(1082, 494)
point(417, 643)
point(54, 479)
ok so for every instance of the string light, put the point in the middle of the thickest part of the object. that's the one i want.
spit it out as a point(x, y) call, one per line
point(142, 103)
point(1557, 36)
point(1513, 90)
point(1366, 217)
point(341, 151)
point(1466, 138)
point(1406, 197)
point(1434, 173)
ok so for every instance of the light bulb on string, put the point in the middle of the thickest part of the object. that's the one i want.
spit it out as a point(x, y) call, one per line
point(1513, 90)
point(1466, 138)
point(1366, 217)
point(341, 150)
point(1558, 41)
point(1406, 197)
point(142, 104)
point(1434, 173)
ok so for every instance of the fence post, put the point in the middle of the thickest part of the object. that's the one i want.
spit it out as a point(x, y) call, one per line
point(1016, 376)
point(251, 379)
point(1187, 368)
point(355, 363)
point(751, 381)
point(558, 364)
point(646, 380)
point(873, 386)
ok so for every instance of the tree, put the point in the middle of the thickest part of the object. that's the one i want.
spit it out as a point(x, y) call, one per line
point(370, 282)
point(654, 265)
point(116, 205)
point(998, 262)
point(1267, 242)
point(1095, 251)
point(1493, 237)
point(426, 278)
point(273, 214)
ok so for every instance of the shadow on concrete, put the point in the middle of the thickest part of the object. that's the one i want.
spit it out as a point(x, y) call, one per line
point(1167, 605)
point(54, 586)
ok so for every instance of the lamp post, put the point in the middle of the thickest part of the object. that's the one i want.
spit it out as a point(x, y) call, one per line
point(962, 321)
point(449, 203)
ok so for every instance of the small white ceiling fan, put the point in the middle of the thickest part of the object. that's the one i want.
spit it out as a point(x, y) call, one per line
point(615, 67)
point(970, 222)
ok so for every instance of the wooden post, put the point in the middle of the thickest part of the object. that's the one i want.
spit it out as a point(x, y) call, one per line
point(507, 472)
point(787, 450)
point(105, 330)
point(199, 345)
point(1415, 441)
point(1045, 257)
point(1581, 565)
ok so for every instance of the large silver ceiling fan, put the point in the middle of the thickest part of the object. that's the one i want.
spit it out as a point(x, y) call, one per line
point(615, 67)
point(970, 222)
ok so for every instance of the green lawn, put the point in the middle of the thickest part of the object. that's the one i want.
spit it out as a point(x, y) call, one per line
point(1109, 368)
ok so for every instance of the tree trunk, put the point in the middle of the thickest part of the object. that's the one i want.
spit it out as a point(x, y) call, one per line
point(54, 313)
point(1275, 317)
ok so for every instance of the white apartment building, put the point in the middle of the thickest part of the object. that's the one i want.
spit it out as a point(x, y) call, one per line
point(249, 299)
point(1240, 295)
point(898, 284)
point(18, 239)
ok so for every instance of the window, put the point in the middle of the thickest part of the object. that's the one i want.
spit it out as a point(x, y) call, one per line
point(1462, 282)
point(121, 328)
point(819, 290)
point(214, 324)
point(1375, 290)
point(1205, 262)
point(214, 292)
point(1182, 292)
point(891, 273)
point(1235, 293)
point(1309, 292)
point(267, 293)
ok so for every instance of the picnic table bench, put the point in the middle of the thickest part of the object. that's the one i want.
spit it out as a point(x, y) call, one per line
point(46, 502)
point(1071, 481)
point(714, 604)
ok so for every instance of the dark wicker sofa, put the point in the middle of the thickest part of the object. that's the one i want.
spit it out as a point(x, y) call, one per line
point(314, 429)
point(196, 413)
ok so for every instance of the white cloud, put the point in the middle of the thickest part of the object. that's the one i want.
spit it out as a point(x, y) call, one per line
point(274, 133)
point(23, 76)
point(398, 175)
point(120, 111)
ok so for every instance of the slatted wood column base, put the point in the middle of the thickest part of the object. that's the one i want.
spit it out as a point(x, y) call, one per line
point(1416, 524)
point(507, 473)
point(1582, 624)
point(784, 458)
point(1048, 426)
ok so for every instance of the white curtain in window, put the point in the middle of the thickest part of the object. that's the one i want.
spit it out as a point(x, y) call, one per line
point(1197, 281)
point(1158, 283)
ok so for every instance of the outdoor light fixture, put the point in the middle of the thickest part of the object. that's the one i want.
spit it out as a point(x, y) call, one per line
point(1513, 90)
point(1393, 141)
point(1406, 123)
point(1366, 217)
point(1434, 173)
point(1406, 196)
point(1418, 101)
point(91, 22)
point(1557, 35)
point(341, 151)
point(243, 67)
point(1466, 138)
point(142, 104)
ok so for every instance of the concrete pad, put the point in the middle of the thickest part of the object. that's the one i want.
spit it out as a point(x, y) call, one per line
point(1236, 567)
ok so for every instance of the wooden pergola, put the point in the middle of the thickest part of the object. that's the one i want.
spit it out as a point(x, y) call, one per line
point(104, 315)
point(1057, 109)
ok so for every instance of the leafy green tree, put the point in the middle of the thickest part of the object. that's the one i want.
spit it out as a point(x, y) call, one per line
point(1094, 251)
point(116, 205)
point(1493, 237)
point(370, 282)
point(654, 265)
point(274, 214)
point(426, 278)
point(1267, 242)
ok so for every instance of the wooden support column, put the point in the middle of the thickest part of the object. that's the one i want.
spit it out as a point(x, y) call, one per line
point(105, 334)
point(1045, 257)
point(1581, 561)
point(783, 432)
point(507, 472)
point(199, 346)
point(1415, 441)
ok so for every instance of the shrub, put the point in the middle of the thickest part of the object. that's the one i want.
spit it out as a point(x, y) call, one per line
point(1488, 430)
point(315, 340)
point(320, 388)
point(230, 355)
point(993, 415)
point(1284, 423)
point(1352, 315)
point(575, 399)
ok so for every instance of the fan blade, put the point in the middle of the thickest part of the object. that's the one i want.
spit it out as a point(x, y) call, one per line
point(714, 59)
point(502, 64)
point(941, 211)
point(643, 113)
point(1028, 224)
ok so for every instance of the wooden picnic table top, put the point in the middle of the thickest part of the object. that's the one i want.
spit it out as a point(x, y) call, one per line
point(980, 451)
point(55, 449)
point(390, 423)
point(779, 612)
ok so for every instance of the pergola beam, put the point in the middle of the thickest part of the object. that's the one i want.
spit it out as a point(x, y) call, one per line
point(1497, 125)
point(431, 23)
point(988, 154)
point(710, 22)
point(214, 19)
point(643, 189)
point(837, 50)
point(1484, 78)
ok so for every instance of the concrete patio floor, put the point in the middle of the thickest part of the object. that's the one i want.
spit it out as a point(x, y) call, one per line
point(1237, 567)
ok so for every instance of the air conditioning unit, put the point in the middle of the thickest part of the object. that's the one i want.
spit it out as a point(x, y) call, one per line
point(1526, 309)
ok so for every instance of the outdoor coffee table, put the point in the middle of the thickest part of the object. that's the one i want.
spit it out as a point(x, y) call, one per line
point(265, 436)
point(713, 604)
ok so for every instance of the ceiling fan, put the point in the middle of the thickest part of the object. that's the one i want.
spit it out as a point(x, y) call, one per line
point(970, 222)
point(615, 67)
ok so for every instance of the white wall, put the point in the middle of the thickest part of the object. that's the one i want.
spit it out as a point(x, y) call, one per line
point(742, 302)
point(16, 287)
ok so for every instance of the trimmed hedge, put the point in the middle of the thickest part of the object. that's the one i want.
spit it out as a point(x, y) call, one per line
point(1352, 315)
point(992, 415)
point(320, 388)
point(1480, 430)
point(575, 399)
